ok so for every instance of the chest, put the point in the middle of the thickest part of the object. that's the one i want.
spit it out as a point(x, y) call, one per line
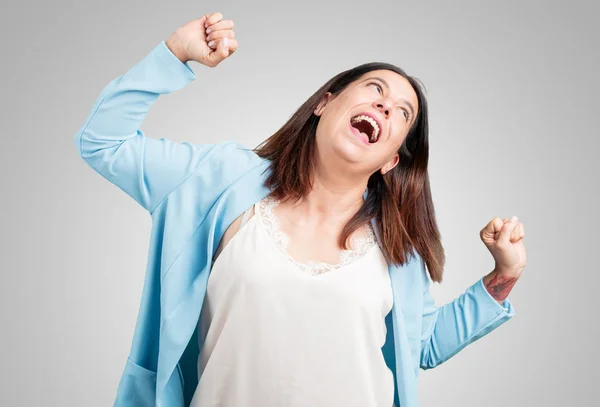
point(304, 240)
point(252, 273)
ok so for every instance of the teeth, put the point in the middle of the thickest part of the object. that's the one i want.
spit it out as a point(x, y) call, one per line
point(370, 120)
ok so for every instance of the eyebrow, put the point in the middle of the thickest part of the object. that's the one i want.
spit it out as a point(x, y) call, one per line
point(410, 106)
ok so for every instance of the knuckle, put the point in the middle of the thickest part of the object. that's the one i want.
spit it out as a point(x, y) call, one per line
point(212, 18)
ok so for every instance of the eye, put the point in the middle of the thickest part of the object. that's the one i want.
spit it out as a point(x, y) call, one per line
point(379, 89)
point(406, 114)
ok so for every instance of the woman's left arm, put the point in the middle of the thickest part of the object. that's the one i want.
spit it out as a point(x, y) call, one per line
point(483, 306)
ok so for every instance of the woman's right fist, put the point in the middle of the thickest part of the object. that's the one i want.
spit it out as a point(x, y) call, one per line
point(207, 40)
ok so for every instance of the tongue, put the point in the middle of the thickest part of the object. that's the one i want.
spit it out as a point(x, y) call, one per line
point(362, 133)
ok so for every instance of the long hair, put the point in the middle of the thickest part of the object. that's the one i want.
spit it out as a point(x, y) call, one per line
point(400, 201)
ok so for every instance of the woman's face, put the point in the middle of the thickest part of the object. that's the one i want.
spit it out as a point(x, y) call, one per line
point(368, 144)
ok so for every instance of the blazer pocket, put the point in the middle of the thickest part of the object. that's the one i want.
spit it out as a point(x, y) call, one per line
point(142, 371)
point(137, 386)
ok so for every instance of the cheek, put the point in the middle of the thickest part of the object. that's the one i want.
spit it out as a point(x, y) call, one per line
point(335, 121)
point(327, 129)
point(398, 136)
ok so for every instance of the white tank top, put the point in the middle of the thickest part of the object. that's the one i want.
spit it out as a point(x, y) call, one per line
point(279, 333)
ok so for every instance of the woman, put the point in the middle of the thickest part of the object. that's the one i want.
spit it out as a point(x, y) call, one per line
point(320, 245)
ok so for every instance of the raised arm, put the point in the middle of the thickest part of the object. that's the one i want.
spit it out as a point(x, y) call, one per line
point(483, 306)
point(448, 329)
point(111, 142)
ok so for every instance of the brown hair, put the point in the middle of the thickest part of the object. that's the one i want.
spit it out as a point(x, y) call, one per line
point(400, 201)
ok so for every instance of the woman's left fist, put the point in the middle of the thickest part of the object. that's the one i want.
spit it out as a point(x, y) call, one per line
point(504, 239)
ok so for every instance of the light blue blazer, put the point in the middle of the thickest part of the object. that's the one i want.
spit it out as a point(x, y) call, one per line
point(193, 192)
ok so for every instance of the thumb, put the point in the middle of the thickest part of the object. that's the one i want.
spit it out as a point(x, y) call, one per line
point(223, 48)
point(507, 230)
point(221, 52)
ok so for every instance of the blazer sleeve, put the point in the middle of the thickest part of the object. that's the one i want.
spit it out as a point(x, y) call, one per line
point(111, 142)
point(448, 329)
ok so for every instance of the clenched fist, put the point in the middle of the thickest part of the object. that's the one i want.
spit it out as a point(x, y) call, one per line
point(504, 240)
point(207, 40)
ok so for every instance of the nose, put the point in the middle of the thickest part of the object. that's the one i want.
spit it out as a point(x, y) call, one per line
point(384, 107)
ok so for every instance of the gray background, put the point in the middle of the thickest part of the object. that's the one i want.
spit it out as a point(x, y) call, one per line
point(513, 90)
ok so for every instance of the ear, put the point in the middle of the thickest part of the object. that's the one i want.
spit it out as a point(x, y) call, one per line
point(390, 164)
point(322, 103)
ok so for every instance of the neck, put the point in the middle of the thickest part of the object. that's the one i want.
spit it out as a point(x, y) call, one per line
point(335, 195)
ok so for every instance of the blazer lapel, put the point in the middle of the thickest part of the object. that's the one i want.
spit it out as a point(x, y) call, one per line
point(188, 284)
point(405, 380)
point(402, 291)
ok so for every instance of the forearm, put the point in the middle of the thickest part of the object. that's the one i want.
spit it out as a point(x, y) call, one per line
point(113, 144)
point(122, 105)
point(499, 285)
point(449, 328)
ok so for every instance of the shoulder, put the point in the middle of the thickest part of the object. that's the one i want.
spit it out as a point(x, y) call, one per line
point(223, 165)
point(235, 156)
point(215, 169)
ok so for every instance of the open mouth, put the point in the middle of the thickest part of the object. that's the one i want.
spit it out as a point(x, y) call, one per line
point(367, 126)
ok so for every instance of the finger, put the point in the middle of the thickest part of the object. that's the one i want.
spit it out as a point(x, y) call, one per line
point(212, 18)
point(492, 228)
point(504, 220)
point(507, 229)
point(521, 230)
point(221, 25)
point(518, 233)
point(514, 236)
point(216, 35)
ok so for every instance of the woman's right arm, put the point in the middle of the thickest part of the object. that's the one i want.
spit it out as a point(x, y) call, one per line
point(111, 142)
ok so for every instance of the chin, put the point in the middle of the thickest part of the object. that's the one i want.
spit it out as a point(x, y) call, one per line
point(349, 151)
point(343, 147)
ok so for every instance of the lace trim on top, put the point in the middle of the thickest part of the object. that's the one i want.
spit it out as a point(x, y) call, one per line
point(361, 244)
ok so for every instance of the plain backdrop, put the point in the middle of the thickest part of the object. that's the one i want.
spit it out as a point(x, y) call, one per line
point(513, 93)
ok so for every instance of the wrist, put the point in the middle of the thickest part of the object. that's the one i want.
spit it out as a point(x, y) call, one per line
point(175, 46)
point(508, 271)
point(499, 284)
